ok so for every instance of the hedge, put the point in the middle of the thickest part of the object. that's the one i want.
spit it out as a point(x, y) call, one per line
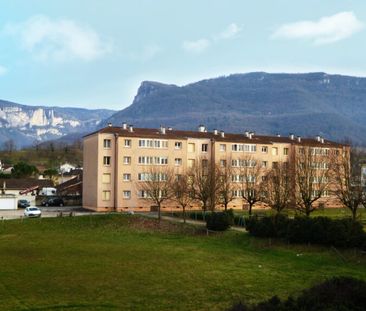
point(317, 230)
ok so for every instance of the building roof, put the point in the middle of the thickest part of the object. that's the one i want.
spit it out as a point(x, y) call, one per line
point(24, 183)
point(228, 137)
point(72, 185)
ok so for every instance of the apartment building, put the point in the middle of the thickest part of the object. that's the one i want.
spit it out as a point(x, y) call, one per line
point(116, 160)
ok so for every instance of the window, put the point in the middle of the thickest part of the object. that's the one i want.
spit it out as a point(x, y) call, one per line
point(106, 195)
point(204, 147)
point(204, 163)
point(107, 143)
point(178, 177)
point(178, 145)
point(274, 164)
point(178, 161)
point(153, 143)
point(107, 160)
point(161, 160)
point(244, 147)
point(223, 163)
point(191, 147)
point(126, 177)
point(222, 147)
point(191, 162)
point(142, 194)
point(285, 151)
point(106, 178)
point(264, 149)
point(274, 151)
point(126, 160)
point(264, 163)
point(128, 143)
point(145, 160)
point(127, 194)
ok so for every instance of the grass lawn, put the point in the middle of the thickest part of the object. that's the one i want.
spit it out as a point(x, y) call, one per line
point(121, 262)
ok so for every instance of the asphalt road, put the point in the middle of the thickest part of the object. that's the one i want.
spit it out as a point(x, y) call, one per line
point(46, 212)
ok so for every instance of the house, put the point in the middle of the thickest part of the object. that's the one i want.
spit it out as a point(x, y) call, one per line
point(26, 188)
point(116, 160)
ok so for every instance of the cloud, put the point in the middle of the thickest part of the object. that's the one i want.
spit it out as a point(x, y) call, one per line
point(58, 40)
point(326, 30)
point(3, 70)
point(231, 31)
point(200, 45)
point(197, 46)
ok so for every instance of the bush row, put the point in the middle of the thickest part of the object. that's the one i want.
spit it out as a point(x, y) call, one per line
point(317, 230)
point(342, 293)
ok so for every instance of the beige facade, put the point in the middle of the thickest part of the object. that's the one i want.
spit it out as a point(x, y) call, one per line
point(115, 158)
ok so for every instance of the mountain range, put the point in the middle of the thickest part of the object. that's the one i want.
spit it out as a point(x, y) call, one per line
point(26, 125)
point(308, 104)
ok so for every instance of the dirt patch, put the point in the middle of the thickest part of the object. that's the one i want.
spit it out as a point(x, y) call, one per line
point(164, 226)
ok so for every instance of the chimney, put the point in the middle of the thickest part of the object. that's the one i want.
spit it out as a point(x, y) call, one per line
point(246, 133)
point(109, 124)
point(201, 128)
point(170, 128)
point(124, 125)
point(322, 140)
point(278, 135)
point(216, 132)
point(292, 136)
point(222, 133)
point(318, 138)
point(251, 134)
point(130, 128)
point(162, 129)
point(299, 139)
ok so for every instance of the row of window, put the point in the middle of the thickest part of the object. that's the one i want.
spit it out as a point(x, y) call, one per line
point(144, 143)
point(106, 194)
point(163, 144)
point(126, 194)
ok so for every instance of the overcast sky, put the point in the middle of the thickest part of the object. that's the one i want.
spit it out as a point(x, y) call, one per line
point(95, 53)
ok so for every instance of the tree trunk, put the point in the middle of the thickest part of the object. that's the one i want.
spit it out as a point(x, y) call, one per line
point(225, 207)
point(159, 213)
point(354, 214)
point(184, 214)
point(250, 209)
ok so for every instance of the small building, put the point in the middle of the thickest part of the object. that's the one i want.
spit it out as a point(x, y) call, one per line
point(23, 188)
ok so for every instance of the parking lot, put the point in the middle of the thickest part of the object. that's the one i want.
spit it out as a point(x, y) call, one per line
point(46, 212)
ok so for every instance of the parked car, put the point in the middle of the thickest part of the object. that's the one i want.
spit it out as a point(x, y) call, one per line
point(23, 203)
point(53, 202)
point(32, 211)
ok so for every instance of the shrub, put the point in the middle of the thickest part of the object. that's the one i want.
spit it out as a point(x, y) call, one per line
point(341, 293)
point(318, 230)
point(219, 221)
point(268, 226)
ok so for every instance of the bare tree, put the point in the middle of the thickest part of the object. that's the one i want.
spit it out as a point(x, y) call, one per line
point(204, 183)
point(156, 185)
point(347, 181)
point(182, 189)
point(312, 168)
point(226, 186)
point(278, 187)
point(250, 179)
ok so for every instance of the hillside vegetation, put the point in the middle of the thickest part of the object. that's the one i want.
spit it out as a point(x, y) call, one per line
point(305, 104)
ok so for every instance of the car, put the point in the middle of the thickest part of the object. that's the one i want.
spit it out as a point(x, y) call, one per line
point(53, 202)
point(23, 203)
point(32, 211)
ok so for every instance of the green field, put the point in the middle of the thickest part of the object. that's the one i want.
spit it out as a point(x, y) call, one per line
point(120, 262)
